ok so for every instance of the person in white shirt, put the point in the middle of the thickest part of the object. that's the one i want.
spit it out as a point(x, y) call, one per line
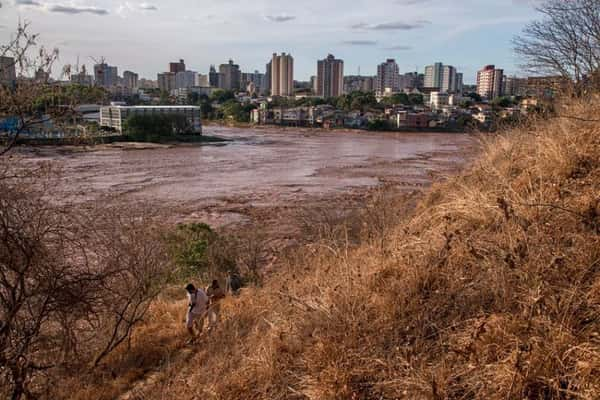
point(197, 309)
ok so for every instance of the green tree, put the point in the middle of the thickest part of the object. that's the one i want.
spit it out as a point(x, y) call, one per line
point(416, 99)
point(156, 127)
point(221, 96)
point(502, 102)
point(475, 96)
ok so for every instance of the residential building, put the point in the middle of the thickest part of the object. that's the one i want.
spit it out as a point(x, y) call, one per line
point(449, 78)
point(437, 100)
point(313, 85)
point(513, 86)
point(167, 81)
point(105, 75)
point(411, 80)
point(357, 83)
point(282, 75)
point(202, 80)
point(268, 77)
point(176, 67)
point(130, 80)
point(411, 120)
point(330, 77)
point(213, 77)
point(82, 78)
point(442, 77)
point(546, 87)
point(182, 94)
point(433, 76)
point(255, 78)
point(147, 84)
point(388, 77)
point(185, 79)
point(459, 83)
point(489, 82)
point(229, 76)
point(115, 116)
point(8, 75)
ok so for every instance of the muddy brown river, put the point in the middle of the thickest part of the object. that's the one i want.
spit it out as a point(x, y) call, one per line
point(256, 168)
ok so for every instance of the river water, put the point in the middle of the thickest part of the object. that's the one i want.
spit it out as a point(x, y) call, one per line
point(258, 167)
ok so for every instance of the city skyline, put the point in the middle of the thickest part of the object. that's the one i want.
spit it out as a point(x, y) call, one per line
point(414, 32)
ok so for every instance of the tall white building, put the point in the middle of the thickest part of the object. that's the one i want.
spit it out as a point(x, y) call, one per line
point(489, 82)
point(444, 78)
point(433, 76)
point(282, 75)
point(116, 116)
point(388, 77)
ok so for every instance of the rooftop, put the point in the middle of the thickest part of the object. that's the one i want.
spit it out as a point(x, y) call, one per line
point(157, 107)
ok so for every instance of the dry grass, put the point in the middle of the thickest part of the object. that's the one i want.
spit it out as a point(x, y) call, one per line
point(490, 290)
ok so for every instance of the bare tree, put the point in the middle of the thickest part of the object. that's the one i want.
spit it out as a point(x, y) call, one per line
point(74, 282)
point(32, 99)
point(565, 42)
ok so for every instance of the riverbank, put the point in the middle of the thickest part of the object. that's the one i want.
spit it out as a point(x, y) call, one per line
point(488, 289)
point(243, 125)
point(122, 140)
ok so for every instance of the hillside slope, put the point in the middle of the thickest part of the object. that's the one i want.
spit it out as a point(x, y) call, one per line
point(490, 290)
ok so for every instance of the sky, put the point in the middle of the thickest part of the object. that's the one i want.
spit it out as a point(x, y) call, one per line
point(144, 36)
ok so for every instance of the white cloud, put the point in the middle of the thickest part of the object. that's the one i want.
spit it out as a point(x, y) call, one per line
point(280, 18)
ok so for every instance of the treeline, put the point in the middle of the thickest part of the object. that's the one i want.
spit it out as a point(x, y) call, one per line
point(156, 127)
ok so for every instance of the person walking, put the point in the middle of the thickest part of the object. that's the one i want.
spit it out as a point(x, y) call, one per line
point(215, 295)
point(197, 309)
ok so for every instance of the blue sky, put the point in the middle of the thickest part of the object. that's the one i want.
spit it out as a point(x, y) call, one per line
point(143, 36)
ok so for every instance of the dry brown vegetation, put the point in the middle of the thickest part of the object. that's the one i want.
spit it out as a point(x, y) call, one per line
point(74, 281)
point(489, 289)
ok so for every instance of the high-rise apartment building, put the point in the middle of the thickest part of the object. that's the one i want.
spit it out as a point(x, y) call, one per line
point(489, 82)
point(448, 84)
point(167, 81)
point(229, 76)
point(105, 75)
point(411, 80)
point(433, 76)
point(176, 67)
point(185, 79)
point(330, 77)
point(442, 77)
point(268, 77)
point(388, 77)
point(130, 80)
point(459, 83)
point(282, 75)
point(8, 75)
point(256, 78)
point(213, 77)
